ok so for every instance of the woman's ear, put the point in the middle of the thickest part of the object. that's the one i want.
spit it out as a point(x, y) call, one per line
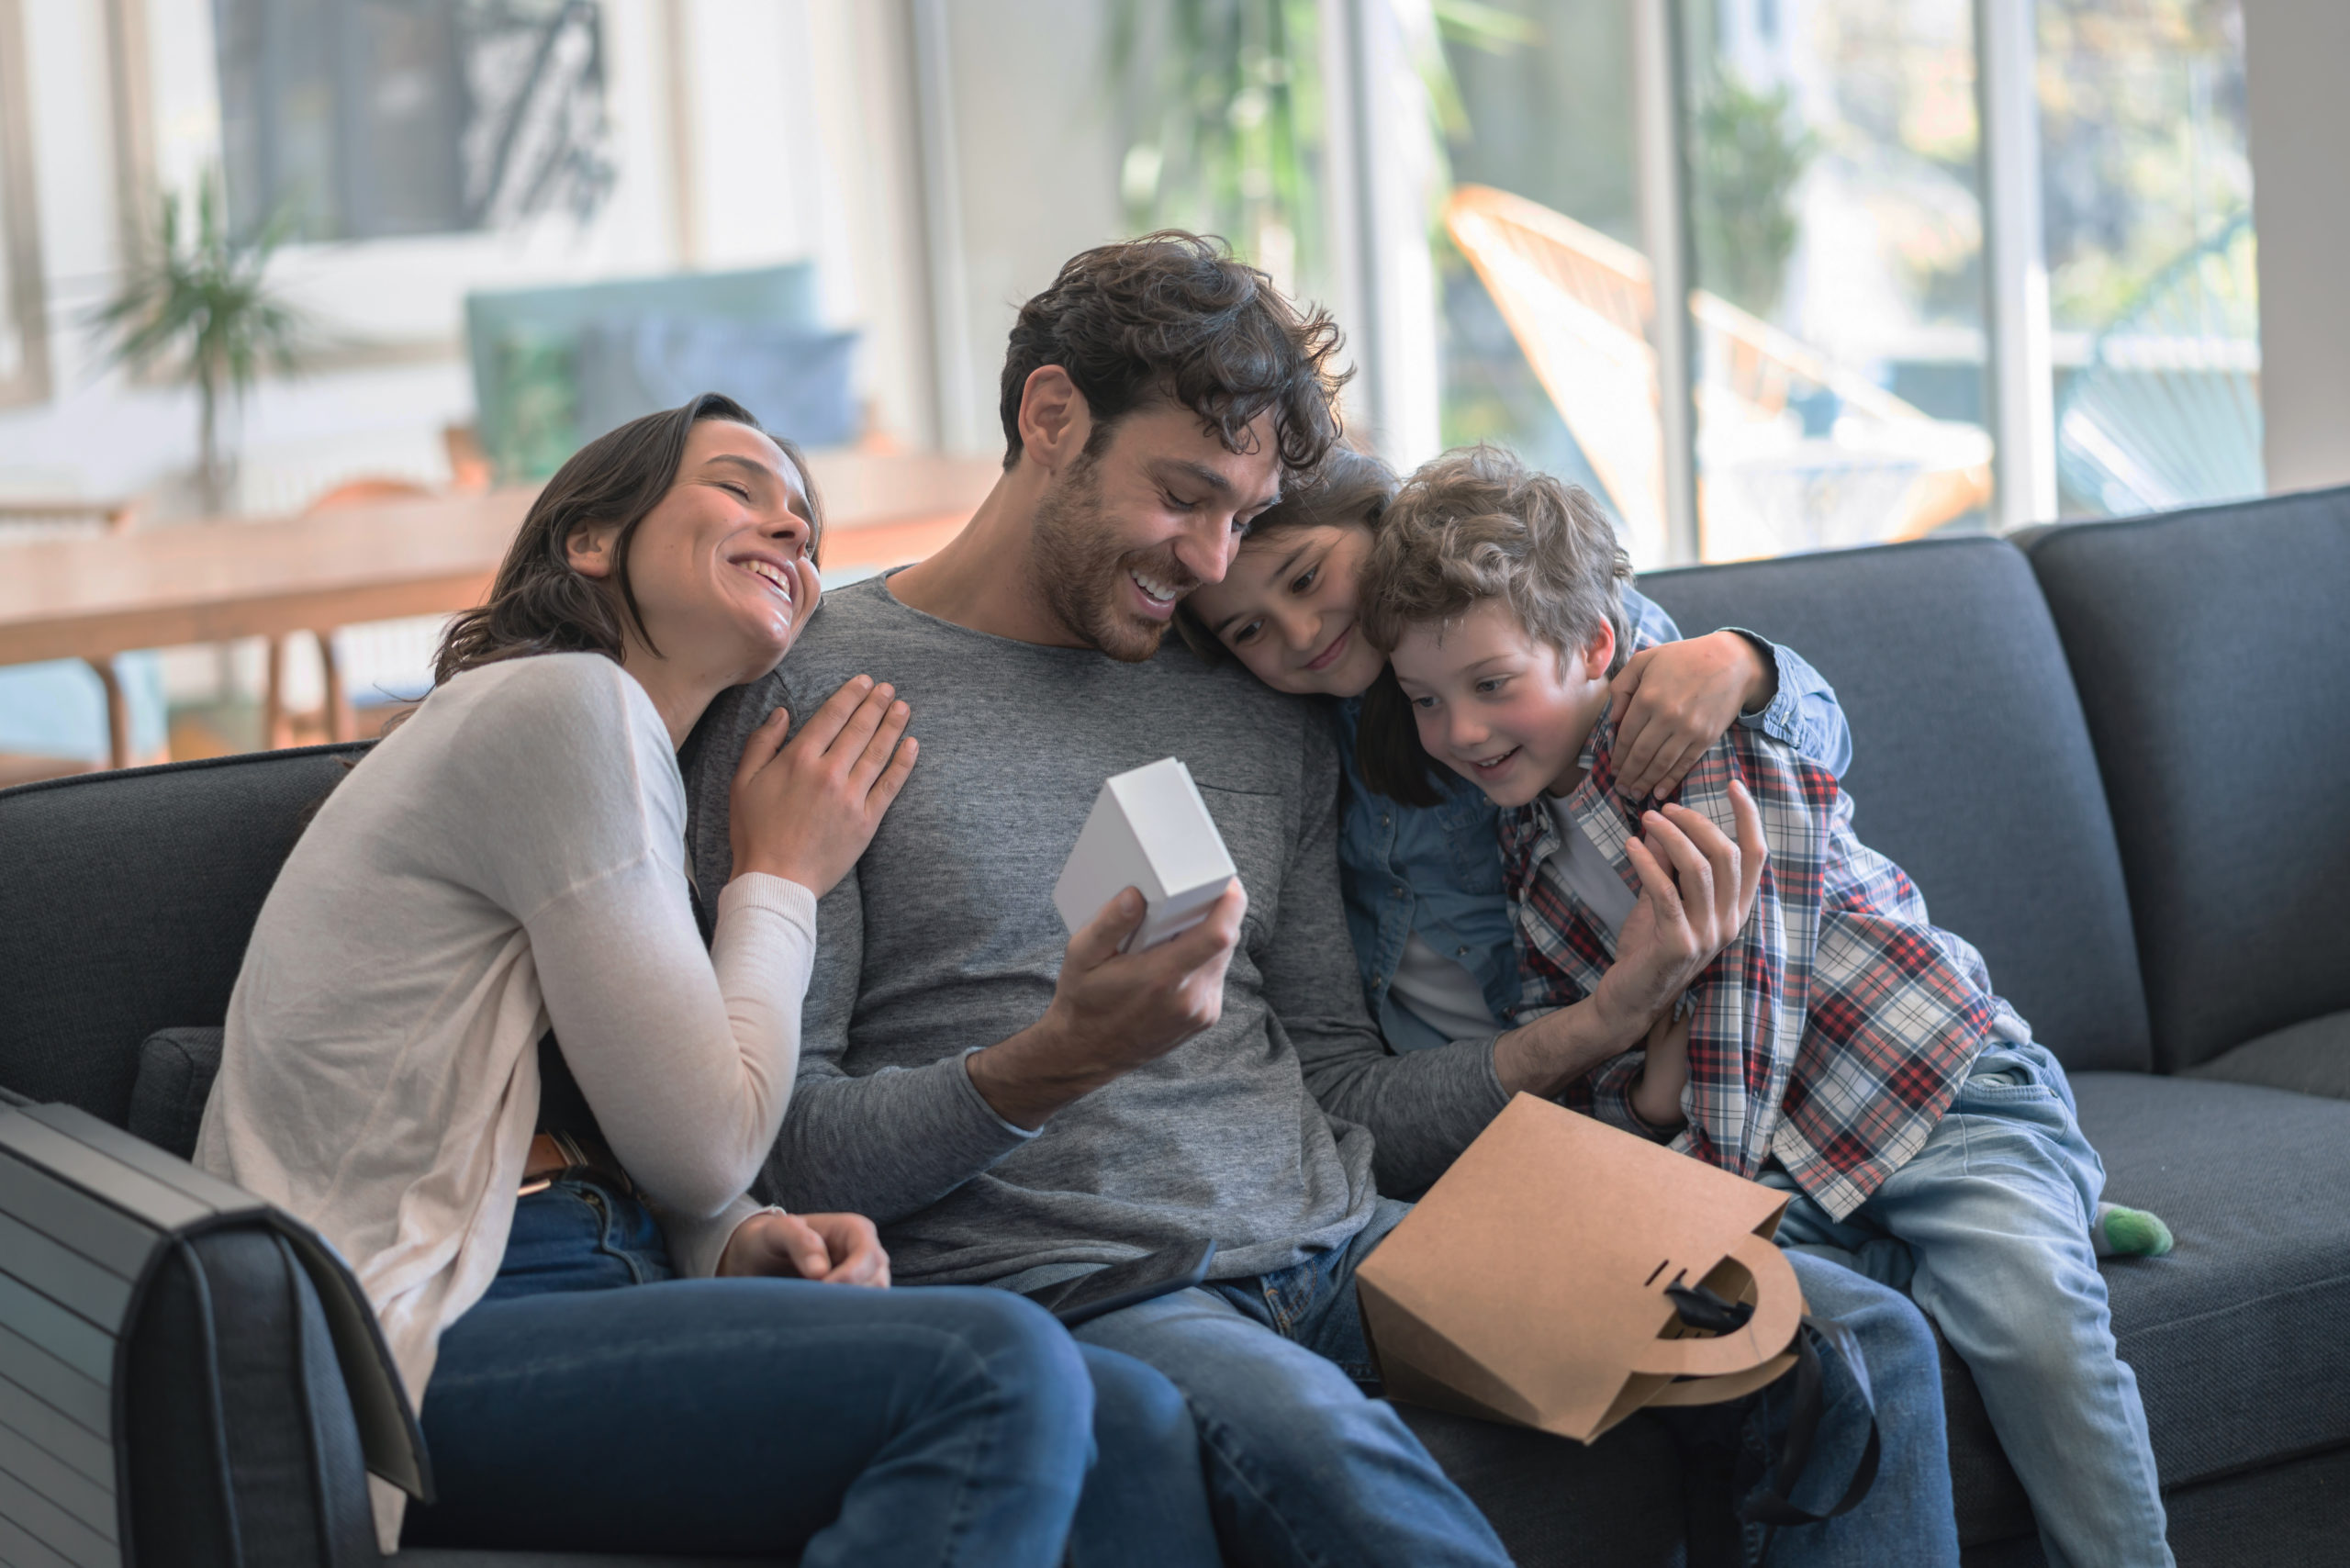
point(589, 549)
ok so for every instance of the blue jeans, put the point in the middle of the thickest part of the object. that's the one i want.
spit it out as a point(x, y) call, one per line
point(1304, 1467)
point(1987, 1226)
point(761, 1417)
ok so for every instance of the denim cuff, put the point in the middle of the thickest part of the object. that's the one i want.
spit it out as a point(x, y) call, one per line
point(1782, 717)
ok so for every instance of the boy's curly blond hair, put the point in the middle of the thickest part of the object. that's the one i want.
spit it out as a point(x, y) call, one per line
point(1475, 524)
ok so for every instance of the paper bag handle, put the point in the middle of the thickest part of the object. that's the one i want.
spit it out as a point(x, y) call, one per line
point(1778, 1309)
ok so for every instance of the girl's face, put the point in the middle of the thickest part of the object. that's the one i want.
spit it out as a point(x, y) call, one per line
point(1286, 609)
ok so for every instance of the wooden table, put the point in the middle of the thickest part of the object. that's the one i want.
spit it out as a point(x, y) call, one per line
point(91, 599)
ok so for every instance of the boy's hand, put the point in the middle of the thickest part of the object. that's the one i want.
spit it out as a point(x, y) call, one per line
point(1675, 700)
point(1686, 914)
point(1656, 1094)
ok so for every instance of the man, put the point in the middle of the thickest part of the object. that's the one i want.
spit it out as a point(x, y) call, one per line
point(1012, 1108)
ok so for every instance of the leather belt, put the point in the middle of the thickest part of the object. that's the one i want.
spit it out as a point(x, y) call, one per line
point(555, 1154)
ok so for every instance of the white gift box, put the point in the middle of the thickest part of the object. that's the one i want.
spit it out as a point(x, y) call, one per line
point(1151, 830)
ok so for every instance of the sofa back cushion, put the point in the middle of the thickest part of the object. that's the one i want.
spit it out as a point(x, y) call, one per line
point(1972, 767)
point(2213, 651)
point(124, 908)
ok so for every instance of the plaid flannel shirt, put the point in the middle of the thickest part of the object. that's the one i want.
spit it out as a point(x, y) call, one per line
point(1832, 1031)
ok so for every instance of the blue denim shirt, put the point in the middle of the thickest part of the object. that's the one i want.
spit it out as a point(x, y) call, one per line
point(1437, 870)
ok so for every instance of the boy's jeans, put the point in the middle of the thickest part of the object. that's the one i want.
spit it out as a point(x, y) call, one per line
point(1304, 1468)
point(1987, 1226)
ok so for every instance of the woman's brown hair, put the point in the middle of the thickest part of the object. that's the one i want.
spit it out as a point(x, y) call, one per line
point(541, 603)
point(1347, 486)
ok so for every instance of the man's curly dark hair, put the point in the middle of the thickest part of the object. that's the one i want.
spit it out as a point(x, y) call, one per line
point(1173, 317)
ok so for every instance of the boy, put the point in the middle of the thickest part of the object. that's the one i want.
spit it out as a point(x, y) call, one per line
point(1840, 1048)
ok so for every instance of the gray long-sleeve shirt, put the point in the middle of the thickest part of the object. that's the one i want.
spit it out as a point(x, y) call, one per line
point(1258, 1132)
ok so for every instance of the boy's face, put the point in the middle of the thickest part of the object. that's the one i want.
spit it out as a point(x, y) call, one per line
point(1502, 708)
point(1286, 609)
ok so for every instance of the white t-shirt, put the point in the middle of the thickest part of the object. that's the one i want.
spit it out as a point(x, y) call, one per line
point(512, 857)
point(1584, 868)
point(1440, 992)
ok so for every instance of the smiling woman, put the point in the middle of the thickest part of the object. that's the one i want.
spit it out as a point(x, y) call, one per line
point(496, 1045)
point(570, 581)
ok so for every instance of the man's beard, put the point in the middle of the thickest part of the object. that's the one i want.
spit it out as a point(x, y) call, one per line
point(1081, 572)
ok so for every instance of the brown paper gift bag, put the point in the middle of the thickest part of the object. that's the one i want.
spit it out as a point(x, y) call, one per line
point(1528, 1286)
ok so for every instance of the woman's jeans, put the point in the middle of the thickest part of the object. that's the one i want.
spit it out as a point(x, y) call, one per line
point(1987, 1226)
point(763, 1417)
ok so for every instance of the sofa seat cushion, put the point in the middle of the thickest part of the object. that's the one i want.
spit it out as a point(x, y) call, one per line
point(2239, 1337)
point(2309, 1057)
point(1553, 1501)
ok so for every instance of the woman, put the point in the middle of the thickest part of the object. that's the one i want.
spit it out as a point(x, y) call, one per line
point(512, 857)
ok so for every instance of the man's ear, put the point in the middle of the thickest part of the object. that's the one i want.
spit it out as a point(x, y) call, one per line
point(589, 548)
point(1055, 419)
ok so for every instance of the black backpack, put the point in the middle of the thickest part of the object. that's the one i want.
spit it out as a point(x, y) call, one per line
point(188, 1376)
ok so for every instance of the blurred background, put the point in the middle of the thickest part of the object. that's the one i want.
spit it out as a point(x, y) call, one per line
point(303, 296)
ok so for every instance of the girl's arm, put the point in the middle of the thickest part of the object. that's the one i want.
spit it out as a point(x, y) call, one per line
point(1676, 698)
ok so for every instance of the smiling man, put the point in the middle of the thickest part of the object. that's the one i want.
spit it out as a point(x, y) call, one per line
point(1013, 1107)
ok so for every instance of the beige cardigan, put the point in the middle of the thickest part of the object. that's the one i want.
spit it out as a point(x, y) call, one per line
point(512, 857)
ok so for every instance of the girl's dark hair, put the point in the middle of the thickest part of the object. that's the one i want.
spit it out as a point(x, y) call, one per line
point(1345, 486)
point(541, 603)
point(1387, 749)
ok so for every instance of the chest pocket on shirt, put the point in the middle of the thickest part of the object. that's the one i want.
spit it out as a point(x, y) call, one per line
point(1257, 826)
point(1471, 844)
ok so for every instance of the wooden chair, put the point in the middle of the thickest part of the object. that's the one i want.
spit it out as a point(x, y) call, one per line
point(341, 724)
point(34, 516)
point(1581, 305)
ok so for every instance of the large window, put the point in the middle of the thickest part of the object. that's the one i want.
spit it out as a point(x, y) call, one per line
point(1539, 106)
point(366, 119)
point(1837, 231)
point(1858, 332)
point(2148, 214)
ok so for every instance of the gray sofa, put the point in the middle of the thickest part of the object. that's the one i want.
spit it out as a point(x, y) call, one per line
point(2106, 753)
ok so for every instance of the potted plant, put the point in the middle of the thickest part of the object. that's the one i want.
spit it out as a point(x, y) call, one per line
point(199, 309)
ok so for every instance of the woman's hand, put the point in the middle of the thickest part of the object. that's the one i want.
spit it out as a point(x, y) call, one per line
point(834, 1250)
point(1675, 700)
point(1656, 1094)
point(806, 810)
point(1686, 914)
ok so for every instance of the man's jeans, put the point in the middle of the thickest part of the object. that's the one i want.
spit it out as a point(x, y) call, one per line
point(590, 1403)
point(1987, 1226)
point(1304, 1468)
